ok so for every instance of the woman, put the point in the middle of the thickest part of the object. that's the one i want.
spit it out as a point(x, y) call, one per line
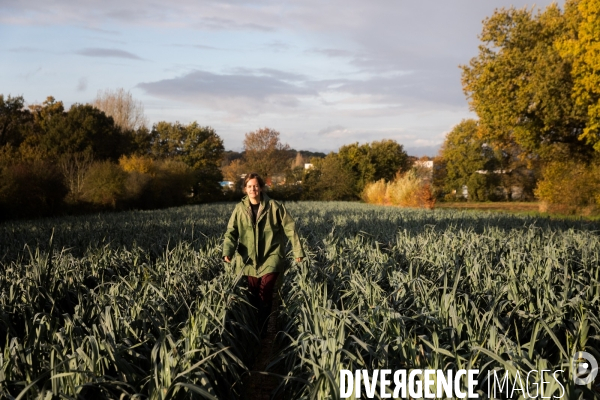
point(258, 229)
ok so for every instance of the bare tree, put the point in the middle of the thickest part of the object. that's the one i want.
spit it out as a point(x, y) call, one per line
point(265, 153)
point(298, 161)
point(127, 113)
point(74, 167)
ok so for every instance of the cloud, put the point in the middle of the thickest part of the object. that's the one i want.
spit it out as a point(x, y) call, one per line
point(409, 88)
point(231, 93)
point(271, 72)
point(111, 53)
point(332, 130)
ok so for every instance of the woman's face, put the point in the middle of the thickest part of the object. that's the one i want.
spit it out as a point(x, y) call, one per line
point(253, 190)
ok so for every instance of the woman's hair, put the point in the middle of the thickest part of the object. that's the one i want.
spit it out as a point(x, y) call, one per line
point(254, 175)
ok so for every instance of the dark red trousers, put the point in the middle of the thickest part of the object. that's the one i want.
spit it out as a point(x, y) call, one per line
point(262, 288)
point(261, 297)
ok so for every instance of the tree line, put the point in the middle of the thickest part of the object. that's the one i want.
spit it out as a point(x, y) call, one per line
point(100, 155)
point(103, 156)
point(535, 87)
point(335, 176)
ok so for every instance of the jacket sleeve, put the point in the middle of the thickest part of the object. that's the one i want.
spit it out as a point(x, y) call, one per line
point(289, 227)
point(231, 235)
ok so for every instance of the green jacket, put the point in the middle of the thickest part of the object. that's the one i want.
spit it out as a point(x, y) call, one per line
point(261, 247)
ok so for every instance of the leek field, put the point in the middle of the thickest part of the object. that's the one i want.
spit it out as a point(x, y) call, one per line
point(139, 305)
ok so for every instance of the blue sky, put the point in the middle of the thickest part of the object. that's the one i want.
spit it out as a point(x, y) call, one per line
point(324, 73)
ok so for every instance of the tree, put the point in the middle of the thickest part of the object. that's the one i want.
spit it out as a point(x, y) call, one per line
point(371, 162)
point(520, 86)
point(469, 161)
point(74, 167)
point(119, 104)
point(15, 120)
point(582, 48)
point(200, 148)
point(197, 146)
point(83, 128)
point(298, 161)
point(234, 171)
point(328, 179)
point(264, 152)
point(357, 159)
point(389, 158)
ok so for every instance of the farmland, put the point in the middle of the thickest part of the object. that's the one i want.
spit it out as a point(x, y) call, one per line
point(140, 305)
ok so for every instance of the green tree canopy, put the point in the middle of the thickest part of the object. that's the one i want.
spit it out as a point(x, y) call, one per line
point(374, 161)
point(15, 120)
point(200, 148)
point(83, 128)
point(521, 87)
point(197, 146)
point(469, 161)
point(328, 179)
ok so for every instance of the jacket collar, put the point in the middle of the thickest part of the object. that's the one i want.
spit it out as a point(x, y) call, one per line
point(264, 205)
point(264, 200)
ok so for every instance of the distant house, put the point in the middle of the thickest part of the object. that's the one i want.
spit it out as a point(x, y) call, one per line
point(226, 184)
point(308, 166)
point(426, 164)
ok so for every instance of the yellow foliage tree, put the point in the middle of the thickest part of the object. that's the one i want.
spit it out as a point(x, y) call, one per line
point(141, 164)
point(584, 52)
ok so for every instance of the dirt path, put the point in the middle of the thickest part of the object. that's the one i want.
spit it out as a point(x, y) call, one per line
point(260, 386)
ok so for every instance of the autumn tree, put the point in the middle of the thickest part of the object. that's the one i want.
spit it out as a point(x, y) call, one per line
point(233, 172)
point(582, 48)
point(521, 87)
point(265, 153)
point(127, 113)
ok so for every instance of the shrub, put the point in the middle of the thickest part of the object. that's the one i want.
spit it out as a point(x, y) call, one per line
point(141, 164)
point(104, 184)
point(31, 189)
point(569, 187)
point(407, 190)
point(376, 192)
point(289, 192)
point(137, 190)
point(172, 185)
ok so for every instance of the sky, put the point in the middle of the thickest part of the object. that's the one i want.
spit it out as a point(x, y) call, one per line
point(323, 73)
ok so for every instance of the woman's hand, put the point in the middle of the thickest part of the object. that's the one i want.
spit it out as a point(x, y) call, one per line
point(298, 259)
point(227, 259)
